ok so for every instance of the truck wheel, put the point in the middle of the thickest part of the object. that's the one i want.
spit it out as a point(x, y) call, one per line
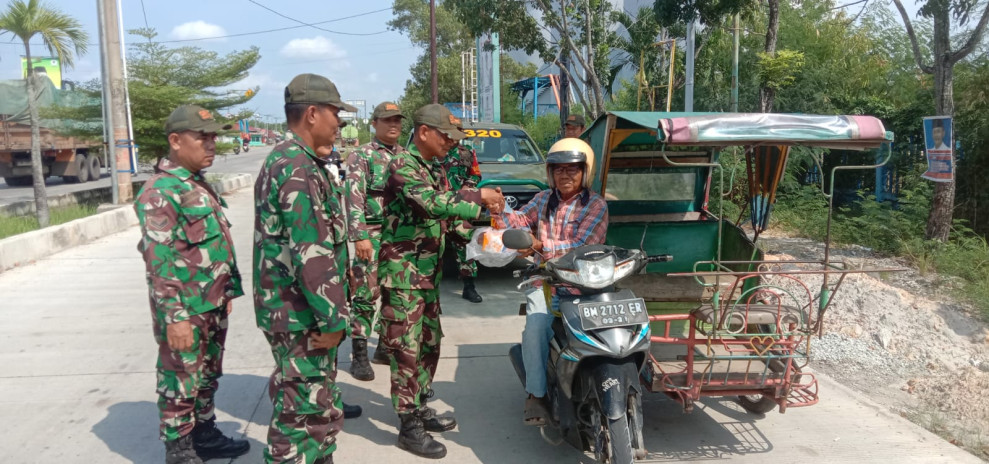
point(19, 181)
point(93, 163)
point(79, 163)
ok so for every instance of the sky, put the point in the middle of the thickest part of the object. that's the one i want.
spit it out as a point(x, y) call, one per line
point(372, 68)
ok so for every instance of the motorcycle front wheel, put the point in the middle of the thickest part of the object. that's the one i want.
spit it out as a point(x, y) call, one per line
point(621, 441)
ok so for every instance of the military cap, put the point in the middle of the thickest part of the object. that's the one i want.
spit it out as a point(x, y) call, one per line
point(315, 90)
point(575, 120)
point(193, 118)
point(386, 110)
point(439, 117)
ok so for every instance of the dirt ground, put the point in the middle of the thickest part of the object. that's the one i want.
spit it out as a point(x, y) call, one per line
point(902, 339)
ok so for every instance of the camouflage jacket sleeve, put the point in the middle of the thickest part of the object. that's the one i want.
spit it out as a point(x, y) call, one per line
point(426, 201)
point(159, 218)
point(302, 197)
point(473, 175)
point(357, 169)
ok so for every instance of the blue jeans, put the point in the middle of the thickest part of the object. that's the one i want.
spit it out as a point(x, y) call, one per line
point(535, 349)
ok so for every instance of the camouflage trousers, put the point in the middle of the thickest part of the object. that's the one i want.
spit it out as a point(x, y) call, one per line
point(465, 268)
point(187, 380)
point(410, 324)
point(307, 411)
point(365, 291)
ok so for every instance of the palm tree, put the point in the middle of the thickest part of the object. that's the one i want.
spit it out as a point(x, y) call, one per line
point(641, 33)
point(60, 34)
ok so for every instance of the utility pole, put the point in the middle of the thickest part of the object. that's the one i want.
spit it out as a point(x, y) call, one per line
point(564, 92)
point(734, 68)
point(114, 88)
point(688, 96)
point(434, 80)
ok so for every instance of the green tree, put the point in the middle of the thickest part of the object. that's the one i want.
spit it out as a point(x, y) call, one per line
point(162, 78)
point(637, 49)
point(453, 38)
point(578, 30)
point(940, 62)
point(61, 34)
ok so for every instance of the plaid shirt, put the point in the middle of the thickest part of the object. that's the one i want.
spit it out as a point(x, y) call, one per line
point(563, 225)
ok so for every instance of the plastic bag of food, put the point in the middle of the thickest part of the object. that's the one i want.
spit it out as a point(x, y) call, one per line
point(487, 248)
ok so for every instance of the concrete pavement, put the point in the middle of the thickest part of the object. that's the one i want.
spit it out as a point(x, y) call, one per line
point(78, 381)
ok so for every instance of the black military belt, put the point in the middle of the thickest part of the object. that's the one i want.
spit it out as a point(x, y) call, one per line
point(373, 221)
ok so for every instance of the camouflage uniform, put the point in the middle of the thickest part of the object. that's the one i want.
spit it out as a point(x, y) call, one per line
point(365, 184)
point(418, 201)
point(300, 257)
point(192, 274)
point(463, 172)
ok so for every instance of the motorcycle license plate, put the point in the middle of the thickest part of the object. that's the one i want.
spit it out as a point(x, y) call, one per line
point(604, 315)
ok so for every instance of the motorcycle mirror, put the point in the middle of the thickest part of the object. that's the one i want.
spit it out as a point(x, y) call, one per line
point(517, 239)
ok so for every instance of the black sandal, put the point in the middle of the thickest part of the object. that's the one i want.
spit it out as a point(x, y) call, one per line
point(535, 412)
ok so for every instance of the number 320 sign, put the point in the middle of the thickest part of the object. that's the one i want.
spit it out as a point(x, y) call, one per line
point(494, 133)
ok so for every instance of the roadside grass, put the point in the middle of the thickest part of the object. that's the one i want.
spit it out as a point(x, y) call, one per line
point(939, 423)
point(893, 232)
point(10, 226)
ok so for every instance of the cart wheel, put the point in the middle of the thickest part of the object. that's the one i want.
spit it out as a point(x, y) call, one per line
point(757, 404)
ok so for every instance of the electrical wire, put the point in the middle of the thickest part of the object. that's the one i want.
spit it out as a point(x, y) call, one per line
point(242, 34)
point(313, 25)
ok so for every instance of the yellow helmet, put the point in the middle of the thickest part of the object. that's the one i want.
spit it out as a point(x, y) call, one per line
point(567, 151)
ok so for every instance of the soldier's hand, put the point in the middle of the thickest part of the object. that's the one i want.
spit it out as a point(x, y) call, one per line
point(493, 200)
point(363, 249)
point(230, 306)
point(179, 335)
point(326, 340)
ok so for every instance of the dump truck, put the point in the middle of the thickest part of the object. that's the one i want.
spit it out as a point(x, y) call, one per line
point(75, 159)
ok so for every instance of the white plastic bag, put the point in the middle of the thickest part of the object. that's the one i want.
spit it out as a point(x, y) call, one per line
point(490, 251)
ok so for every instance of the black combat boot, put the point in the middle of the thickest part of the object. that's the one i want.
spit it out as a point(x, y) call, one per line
point(413, 438)
point(352, 411)
point(210, 443)
point(381, 356)
point(430, 420)
point(181, 451)
point(470, 293)
point(361, 367)
point(324, 460)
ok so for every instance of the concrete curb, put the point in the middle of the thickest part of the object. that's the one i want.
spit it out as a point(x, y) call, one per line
point(31, 246)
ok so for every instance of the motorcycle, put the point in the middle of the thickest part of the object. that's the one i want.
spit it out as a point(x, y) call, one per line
point(236, 148)
point(247, 146)
point(599, 346)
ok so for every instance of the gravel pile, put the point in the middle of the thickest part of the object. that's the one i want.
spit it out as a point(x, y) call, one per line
point(901, 339)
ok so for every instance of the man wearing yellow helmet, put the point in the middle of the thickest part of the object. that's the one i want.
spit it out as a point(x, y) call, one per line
point(561, 218)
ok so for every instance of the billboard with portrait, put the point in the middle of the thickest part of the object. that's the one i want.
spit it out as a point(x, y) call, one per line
point(50, 66)
point(939, 144)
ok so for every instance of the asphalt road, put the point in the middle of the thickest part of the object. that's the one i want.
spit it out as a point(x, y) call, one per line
point(249, 162)
point(78, 381)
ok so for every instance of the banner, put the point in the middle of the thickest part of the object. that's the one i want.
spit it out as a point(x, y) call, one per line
point(45, 66)
point(939, 143)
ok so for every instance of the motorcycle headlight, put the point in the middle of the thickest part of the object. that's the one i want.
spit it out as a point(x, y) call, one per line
point(598, 273)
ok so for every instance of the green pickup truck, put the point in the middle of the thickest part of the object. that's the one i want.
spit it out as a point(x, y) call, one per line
point(509, 159)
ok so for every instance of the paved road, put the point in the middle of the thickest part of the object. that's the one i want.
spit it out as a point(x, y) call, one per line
point(248, 162)
point(78, 380)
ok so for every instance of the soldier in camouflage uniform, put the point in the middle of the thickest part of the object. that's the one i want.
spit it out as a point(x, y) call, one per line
point(365, 183)
point(300, 258)
point(462, 171)
point(418, 204)
point(192, 278)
